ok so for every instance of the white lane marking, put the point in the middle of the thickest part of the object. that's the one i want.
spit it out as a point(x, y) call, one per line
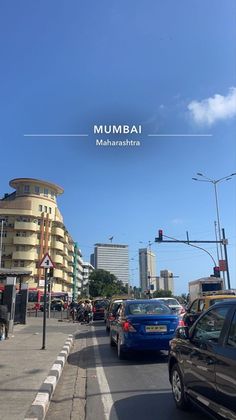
point(106, 397)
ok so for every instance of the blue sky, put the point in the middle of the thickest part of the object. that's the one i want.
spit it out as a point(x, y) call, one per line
point(169, 66)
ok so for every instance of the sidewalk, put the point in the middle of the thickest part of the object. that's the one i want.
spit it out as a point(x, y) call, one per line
point(24, 366)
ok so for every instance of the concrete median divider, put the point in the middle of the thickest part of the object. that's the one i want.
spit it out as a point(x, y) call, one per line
point(39, 407)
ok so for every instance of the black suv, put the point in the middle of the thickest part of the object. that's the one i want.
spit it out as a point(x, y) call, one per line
point(202, 362)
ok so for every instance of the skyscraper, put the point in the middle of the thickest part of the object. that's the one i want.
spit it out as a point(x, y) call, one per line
point(147, 267)
point(113, 258)
point(168, 280)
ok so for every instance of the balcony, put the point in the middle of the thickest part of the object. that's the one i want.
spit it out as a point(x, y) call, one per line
point(26, 226)
point(58, 259)
point(58, 231)
point(58, 273)
point(26, 240)
point(25, 255)
point(57, 245)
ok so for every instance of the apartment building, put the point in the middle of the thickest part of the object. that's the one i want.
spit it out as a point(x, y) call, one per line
point(33, 225)
point(87, 270)
point(113, 258)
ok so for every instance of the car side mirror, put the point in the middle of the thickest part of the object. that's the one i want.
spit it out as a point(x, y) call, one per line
point(182, 333)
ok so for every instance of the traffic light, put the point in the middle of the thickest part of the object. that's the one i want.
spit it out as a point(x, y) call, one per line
point(160, 236)
point(216, 271)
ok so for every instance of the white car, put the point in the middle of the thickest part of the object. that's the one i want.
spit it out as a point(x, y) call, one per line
point(173, 304)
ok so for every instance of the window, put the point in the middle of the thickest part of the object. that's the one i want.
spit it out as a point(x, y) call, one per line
point(232, 333)
point(26, 188)
point(40, 207)
point(22, 263)
point(50, 210)
point(45, 191)
point(45, 209)
point(210, 326)
point(52, 194)
point(21, 234)
point(201, 304)
point(194, 307)
point(36, 189)
point(4, 234)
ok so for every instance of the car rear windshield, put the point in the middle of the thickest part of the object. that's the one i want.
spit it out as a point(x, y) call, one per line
point(152, 308)
point(101, 304)
point(170, 302)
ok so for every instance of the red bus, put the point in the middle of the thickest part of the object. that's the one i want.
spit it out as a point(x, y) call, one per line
point(36, 296)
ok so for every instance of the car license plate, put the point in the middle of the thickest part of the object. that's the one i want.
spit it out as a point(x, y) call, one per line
point(156, 328)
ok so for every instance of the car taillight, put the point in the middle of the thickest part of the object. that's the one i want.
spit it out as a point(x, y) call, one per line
point(181, 323)
point(128, 327)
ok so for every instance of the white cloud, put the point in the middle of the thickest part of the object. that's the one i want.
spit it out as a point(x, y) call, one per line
point(177, 221)
point(210, 110)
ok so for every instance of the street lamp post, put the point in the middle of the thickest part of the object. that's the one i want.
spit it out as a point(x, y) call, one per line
point(215, 182)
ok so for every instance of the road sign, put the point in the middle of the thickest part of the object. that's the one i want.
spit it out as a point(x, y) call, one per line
point(46, 262)
point(222, 265)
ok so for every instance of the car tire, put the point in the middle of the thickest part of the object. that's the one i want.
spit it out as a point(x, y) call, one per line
point(120, 351)
point(178, 391)
point(112, 343)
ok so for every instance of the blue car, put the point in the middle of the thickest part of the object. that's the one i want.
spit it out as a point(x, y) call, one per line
point(142, 325)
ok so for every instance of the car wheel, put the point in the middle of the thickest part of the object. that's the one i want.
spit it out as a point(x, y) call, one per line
point(112, 343)
point(120, 351)
point(179, 394)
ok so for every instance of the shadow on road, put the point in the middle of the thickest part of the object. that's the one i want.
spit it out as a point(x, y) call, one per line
point(85, 358)
point(158, 406)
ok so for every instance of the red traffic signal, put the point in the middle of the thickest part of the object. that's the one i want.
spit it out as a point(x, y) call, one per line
point(160, 236)
point(216, 271)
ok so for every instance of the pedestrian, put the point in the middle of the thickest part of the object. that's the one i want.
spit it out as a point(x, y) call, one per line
point(4, 320)
point(88, 313)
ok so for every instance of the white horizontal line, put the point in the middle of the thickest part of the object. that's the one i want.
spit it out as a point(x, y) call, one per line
point(55, 135)
point(180, 135)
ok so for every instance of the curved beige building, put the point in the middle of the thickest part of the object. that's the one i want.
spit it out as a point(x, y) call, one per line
point(33, 225)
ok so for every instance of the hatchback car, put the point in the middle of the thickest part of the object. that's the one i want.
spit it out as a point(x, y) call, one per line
point(110, 312)
point(99, 306)
point(202, 362)
point(173, 304)
point(142, 325)
point(202, 304)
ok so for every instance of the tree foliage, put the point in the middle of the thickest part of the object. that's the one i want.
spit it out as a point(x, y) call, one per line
point(162, 293)
point(105, 284)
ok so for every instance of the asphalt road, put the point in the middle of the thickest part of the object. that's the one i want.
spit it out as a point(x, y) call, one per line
point(105, 388)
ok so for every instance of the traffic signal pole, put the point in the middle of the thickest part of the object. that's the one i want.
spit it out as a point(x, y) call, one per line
point(226, 257)
point(223, 242)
